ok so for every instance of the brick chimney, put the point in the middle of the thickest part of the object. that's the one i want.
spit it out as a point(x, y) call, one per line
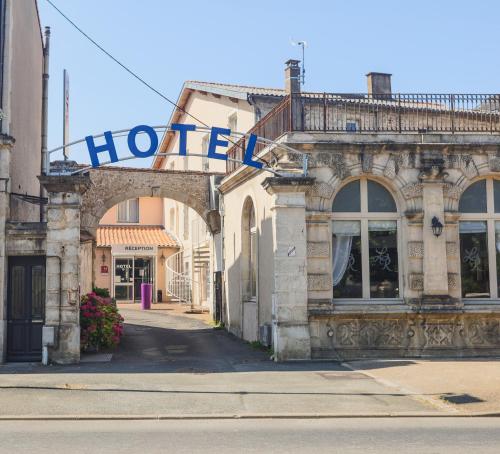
point(379, 84)
point(292, 76)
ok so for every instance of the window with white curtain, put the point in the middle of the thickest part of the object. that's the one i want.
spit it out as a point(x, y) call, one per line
point(128, 211)
point(479, 231)
point(365, 242)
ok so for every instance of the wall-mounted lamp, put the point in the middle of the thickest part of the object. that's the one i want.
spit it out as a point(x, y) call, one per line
point(437, 226)
point(162, 257)
point(103, 257)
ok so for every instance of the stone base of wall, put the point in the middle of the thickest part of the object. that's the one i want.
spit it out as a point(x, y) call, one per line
point(356, 336)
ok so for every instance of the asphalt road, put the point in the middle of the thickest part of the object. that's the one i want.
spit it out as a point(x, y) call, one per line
point(403, 435)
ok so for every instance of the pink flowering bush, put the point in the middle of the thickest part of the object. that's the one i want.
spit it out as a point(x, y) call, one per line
point(101, 325)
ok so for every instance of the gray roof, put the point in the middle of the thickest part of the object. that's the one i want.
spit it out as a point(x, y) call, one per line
point(233, 91)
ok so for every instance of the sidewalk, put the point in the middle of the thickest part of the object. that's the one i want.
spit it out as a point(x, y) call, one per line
point(466, 386)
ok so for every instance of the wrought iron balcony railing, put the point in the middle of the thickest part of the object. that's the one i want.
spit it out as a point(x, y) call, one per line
point(361, 113)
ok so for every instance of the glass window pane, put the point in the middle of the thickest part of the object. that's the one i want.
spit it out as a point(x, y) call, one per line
point(37, 291)
point(380, 199)
point(122, 212)
point(124, 271)
point(346, 248)
point(124, 292)
point(496, 193)
point(348, 199)
point(474, 260)
point(17, 298)
point(133, 210)
point(383, 259)
point(473, 199)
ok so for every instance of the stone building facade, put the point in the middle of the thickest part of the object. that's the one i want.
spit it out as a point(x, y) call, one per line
point(387, 245)
point(22, 230)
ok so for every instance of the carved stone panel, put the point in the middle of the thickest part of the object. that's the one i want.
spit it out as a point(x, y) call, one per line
point(318, 249)
point(412, 190)
point(484, 332)
point(494, 164)
point(451, 249)
point(416, 281)
point(415, 249)
point(439, 334)
point(452, 281)
point(369, 333)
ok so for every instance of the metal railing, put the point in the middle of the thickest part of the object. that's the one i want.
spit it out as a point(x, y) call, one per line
point(179, 282)
point(362, 113)
point(396, 113)
point(270, 127)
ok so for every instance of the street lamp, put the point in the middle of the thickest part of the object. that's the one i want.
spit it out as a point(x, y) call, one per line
point(437, 226)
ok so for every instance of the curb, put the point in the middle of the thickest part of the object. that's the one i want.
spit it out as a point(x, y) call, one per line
point(167, 417)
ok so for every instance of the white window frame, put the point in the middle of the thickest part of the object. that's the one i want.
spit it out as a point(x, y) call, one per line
point(363, 217)
point(490, 217)
point(128, 212)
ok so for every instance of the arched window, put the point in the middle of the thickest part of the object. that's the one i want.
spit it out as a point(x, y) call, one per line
point(365, 242)
point(480, 239)
point(249, 251)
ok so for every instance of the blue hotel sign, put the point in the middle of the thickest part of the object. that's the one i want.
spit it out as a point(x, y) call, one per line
point(216, 140)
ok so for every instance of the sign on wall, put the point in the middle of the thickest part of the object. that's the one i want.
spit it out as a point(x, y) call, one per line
point(134, 249)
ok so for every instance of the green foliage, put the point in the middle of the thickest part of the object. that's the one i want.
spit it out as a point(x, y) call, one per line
point(103, 292)
point(101, 325)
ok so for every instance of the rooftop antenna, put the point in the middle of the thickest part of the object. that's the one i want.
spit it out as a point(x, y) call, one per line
point(302, 44)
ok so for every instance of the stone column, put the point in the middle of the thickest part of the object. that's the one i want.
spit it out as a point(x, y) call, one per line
point(435, 261)
point(5, 146)
point(63, 261)
point(291, 339)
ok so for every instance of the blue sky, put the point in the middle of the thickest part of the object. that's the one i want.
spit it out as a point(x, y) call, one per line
point(428, 45)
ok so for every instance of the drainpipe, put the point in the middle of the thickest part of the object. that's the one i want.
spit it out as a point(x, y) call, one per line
point(44, 164)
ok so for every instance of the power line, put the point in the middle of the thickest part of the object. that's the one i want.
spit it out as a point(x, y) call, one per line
point(135, 75)
point(126, 68)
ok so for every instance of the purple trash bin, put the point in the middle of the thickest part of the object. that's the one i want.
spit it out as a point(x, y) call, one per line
point(146, 294)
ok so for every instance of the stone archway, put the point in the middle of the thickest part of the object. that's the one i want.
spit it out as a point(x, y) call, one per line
point(77, 202)
point(109, 186)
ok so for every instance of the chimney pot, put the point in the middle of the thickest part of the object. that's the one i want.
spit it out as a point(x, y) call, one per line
point(379, 84)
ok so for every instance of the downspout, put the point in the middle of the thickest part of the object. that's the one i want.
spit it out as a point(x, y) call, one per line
point(44, 164)
point(45, 352)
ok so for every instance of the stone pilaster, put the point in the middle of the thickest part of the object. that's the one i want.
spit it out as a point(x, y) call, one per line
point(5, 146)
point(291, 338)
point(63, 260)
point(435, 264)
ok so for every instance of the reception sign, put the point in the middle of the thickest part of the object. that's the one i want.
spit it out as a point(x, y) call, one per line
point(134, 249)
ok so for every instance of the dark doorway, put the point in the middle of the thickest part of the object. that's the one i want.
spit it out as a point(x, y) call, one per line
point(25, 308)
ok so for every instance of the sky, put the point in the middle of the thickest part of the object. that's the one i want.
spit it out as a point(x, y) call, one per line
point(429, 46)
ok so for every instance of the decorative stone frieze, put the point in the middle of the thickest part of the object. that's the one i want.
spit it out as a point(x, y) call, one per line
point(415, 249)
point(416, 281)
point(453, 281)
point(452, 191)
point(412, 190)
point(484, 332)
point(368, 333)
point(439, 333)
point(359, 335)
point(318, 249)
point(451, 249)
point(322, 189)
point(494, 163)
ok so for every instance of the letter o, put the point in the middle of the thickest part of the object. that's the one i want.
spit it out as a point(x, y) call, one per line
point(153, 137)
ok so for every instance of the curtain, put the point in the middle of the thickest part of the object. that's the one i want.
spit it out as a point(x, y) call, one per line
point(343, 233)
point(341, 252)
